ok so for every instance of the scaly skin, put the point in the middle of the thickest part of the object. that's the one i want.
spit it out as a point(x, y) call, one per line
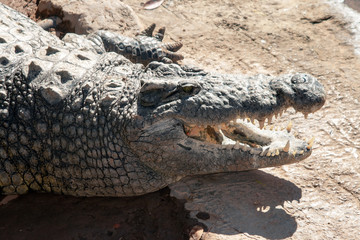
point(75, 119)
point(144, 48)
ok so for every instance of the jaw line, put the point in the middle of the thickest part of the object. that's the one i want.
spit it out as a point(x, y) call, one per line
point(169, 138)
point(242, 135)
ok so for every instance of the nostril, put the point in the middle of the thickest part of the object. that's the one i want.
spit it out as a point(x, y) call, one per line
point(299, 78)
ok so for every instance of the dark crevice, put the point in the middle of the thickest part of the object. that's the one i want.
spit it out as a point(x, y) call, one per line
point(4, 61)
point(184, 147)
point(81, 57)
point(18, 49)
point(34, 71)
point(53, 11)
point(65, 76)
point(51, 51)
point(318, 20)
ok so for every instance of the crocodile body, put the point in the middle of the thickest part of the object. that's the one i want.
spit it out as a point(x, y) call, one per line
point(76, 119)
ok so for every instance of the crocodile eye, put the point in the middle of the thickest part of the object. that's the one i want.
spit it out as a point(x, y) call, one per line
point(188, 88)
point(299, 79)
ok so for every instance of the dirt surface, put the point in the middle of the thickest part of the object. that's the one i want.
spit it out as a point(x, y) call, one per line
point(26, 7)
point(355, 4)
point(250, 37)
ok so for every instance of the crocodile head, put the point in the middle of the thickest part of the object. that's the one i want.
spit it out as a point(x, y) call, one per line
point(205, 124)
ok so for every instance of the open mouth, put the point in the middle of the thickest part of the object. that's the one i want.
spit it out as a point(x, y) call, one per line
point(240, 134)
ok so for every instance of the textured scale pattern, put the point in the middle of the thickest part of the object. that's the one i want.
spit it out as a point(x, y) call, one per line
point(38, 143)
point(144, 48)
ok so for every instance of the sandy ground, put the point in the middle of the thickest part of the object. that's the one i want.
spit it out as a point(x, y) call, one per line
point(250, 37)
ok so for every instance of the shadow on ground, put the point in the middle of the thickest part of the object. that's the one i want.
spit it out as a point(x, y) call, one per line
point(229, 204)
point(47, 216)
point(246, 202)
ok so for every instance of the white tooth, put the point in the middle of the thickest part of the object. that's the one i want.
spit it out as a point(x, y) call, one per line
point(237, 145)
point(232, 122)
point(268, 154)
point(310, 143)
point(252, 120)
point(264, 152)
point(289, 126)
point(261, 123)
point(244, 147)
point(287, 147)
point(238, 121)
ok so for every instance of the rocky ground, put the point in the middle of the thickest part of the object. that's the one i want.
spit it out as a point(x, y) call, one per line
point(318, 198)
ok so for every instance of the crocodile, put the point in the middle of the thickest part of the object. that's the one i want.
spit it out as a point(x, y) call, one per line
point(78, 118)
